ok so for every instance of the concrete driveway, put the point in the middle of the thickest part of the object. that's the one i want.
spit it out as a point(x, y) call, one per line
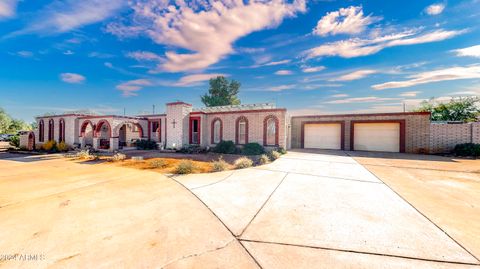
point(318, 209)
point(324, 210)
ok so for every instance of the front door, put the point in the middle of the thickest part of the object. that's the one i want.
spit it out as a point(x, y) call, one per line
point(195, 131)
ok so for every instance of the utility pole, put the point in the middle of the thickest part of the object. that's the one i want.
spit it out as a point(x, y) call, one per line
point(404, 107)
point(153, 109)
point(124, 112)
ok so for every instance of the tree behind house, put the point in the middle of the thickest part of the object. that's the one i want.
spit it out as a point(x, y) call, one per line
point(222, 92)
point(464, 109)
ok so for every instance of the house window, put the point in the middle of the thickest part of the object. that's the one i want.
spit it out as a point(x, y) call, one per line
point(270, 131)
point(242, 131)
point(61, 130)
point(50, 130)
point(195, 131)
point(155, 126)
point(217, 131)
point(41, 131)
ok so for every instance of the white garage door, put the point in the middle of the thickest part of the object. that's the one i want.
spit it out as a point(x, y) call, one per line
point(377, 137)
point(323, 136)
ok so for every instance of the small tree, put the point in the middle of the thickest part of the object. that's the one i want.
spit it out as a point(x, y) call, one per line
point(222, 92)
point(457, 109)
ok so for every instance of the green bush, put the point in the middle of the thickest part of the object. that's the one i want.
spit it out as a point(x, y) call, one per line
point(158, 164)
point(146, 144)
point(220, 165)
point(63, 147)
point(50, 146)
point(253, 149)
point(281, 150)
point(225, 147)
point(243, 162)
point(263, 159)
point(467, 149)
point(185, 167)
point(192, 149)
point(274, 155)
point(15, 141)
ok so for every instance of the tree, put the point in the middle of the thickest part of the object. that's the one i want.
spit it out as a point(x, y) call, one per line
point(5, 121)
point(11, 126)
point(464, 109)
point(222, 92)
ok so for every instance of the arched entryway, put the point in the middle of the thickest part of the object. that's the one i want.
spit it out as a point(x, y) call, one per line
point(128, 133)
point(86, 133)
point(103, 132)
point(31, 141)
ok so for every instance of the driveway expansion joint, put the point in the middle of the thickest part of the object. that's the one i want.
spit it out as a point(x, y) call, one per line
point(419, 212)
point(213, 183)
point(263, 205)
point(358, 252)
point(172, 177)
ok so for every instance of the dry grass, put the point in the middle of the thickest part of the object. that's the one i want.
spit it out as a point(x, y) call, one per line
point(169, 167)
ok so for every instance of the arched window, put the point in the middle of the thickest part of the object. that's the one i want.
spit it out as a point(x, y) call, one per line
point(61, 130)
point(51, 126)
point(270, 131)
point(41, 131)
point(241, 131)
point(217, 131)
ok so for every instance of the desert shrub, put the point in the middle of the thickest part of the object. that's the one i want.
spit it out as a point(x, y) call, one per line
point(192, 149)
point(467, 149)
point(158, 163)
point(86, 155)
point(281, 150)
point(274, 155)
point(253, 149)
point(117, 157)
point(243, 162)
point(146, 144)
point(185, 167)
point(15, 141)
point(49, 146)
point(263, 159)
point(225, 147)
point(62, 146)
point(219, 165)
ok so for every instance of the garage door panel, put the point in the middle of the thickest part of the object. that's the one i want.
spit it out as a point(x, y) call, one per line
point(377, 137)
point(323, 136)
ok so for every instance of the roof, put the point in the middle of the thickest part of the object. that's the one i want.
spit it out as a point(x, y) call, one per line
point(259, 106)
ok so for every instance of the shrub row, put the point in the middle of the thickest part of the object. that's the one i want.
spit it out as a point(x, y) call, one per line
point(467, 149)
point(228, 147)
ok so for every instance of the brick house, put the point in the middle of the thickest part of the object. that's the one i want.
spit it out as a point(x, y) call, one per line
point(181, 125)
point(261, 123)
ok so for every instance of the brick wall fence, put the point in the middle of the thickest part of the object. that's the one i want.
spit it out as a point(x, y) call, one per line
point(444, 137)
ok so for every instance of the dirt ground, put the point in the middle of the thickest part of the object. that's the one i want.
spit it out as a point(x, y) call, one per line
point(446, 190)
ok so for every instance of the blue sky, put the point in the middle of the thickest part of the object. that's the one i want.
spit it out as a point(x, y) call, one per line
point(308, 56)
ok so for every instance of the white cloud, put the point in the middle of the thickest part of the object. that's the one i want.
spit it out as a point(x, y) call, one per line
point(25, 54)
point(68, 52)
point(72, 78)
point(265, 61)
point(453, 73)
point(281, 88)
point(410, 94)
point(355, 47)
point(435, 9)
point(100, 55)
point(191, 80)
point(344, 21)
point(313, 69)
point(7, 8)
point(144, 56)
point(473, 51)
point(130, 88)
point(368, 99)
point(65, 16)
point(283, 72)
point(355, 75)
point(340, 95)
point(207, 30)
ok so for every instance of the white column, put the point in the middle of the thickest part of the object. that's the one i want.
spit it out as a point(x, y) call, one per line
point(113, 143)
point(96, 142)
